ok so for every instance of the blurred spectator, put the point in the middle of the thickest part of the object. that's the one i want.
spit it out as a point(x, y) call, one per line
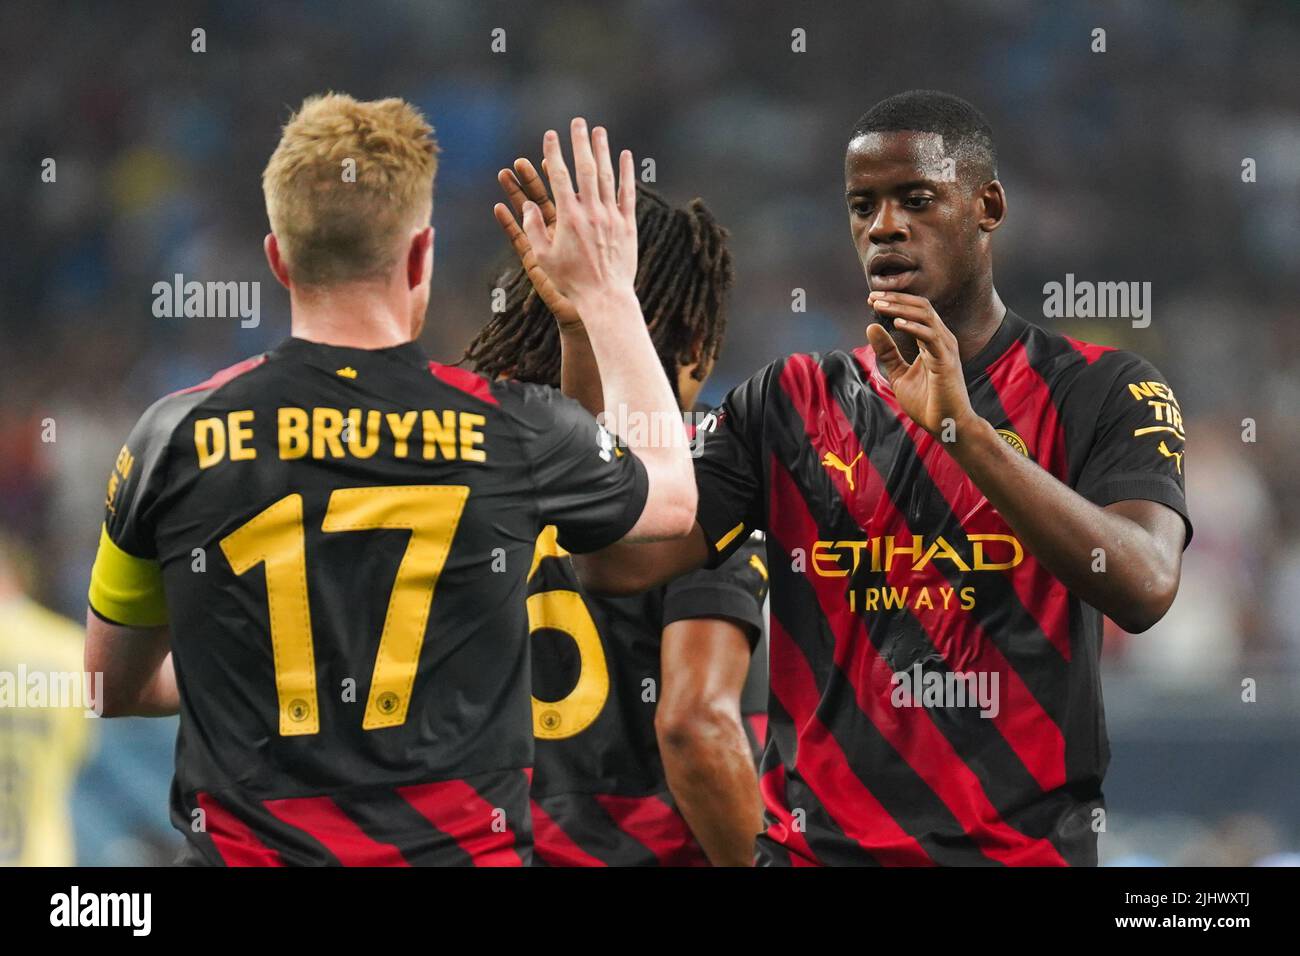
point(44, 725)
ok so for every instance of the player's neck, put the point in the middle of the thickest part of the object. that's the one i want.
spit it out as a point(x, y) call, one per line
point(973, 317)
point(360, 317)
point(974, 327)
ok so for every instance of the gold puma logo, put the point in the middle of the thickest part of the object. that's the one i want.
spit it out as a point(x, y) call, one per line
point(832, 460)
point(1177, 456)
point(347, 372)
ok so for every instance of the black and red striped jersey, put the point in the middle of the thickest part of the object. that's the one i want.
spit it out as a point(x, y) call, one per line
point(600, 795)
point(339, 540)
point(935, 692)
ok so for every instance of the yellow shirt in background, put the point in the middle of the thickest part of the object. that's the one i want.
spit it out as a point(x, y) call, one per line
point(41, 744)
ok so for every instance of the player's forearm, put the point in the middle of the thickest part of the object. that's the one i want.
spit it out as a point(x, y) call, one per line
point(630, 568)
point(1070, 536)
point(160, 696)
point(710, 772)
point(579, 373)
point(156, 697)
point(641, 408)
point(138, 678)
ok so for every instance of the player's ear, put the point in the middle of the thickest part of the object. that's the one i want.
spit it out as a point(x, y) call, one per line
point(993, 205)
point(419, 257)
point(278, 268)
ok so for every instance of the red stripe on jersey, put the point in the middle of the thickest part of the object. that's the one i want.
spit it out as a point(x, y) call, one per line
point(782, 831)
point(323, 819)
point(1089, 351)
point(468, 382)
point(460, 811)
point(225, 375)
point(957, 635)
point(758, 724)
point(237, 844)
point(653, 823)
point(824, 768)
point(555, 847)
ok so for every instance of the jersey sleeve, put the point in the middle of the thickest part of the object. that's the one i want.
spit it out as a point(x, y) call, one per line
point(735, 591)
point(126, 580)
point(728, 468)
point(592, 490)
point(1137, 450)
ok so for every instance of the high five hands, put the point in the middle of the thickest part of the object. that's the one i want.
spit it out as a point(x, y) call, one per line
point(584, 243)
point(931, 390)
point(522, 185)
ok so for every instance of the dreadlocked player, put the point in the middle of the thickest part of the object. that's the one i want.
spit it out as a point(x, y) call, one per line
point(642, 755)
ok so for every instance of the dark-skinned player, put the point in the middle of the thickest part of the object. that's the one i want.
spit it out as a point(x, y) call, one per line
point(952, 507)
point(642, 704)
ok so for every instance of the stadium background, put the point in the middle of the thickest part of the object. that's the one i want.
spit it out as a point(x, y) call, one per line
point(1120, 166)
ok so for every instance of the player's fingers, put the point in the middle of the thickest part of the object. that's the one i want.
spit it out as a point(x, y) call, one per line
point(511, 187)
point(888, 357)
point(927, 338)
point(518, 240)
point(584, 163)
point(627, 185)
point(604, 168)
point(556, 172)
point(914, 308)
point(535, 228)
point(918, 320)
point(535, 188)
point(887, 303)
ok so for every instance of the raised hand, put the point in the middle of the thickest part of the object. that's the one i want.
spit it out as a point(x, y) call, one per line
point(590, 249)
point(522, 185)
point(931, 390)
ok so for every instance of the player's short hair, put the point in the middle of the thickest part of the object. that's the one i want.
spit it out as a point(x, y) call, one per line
point(346, 183)
point(967, 136)
point(683, 277)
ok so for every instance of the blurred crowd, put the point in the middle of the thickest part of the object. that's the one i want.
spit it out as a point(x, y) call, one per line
point(1122, 165)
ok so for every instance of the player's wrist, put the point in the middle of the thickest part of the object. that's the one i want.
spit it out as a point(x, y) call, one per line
point(597, 304)
point(570, 326)
point(971, 434)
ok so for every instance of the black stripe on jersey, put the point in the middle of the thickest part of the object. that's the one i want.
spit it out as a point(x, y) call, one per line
point(386, 818)
point(1056, 362)
point(823, 835)
point(587, 824)
point(831, 845)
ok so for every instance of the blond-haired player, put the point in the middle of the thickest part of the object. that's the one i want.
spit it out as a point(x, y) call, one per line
point(319, 555)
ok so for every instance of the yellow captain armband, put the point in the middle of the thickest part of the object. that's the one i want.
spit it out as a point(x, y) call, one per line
point(126, 589)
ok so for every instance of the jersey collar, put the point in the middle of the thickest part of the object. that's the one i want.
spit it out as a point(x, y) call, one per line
point(408, 353)
point(1012, 327)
